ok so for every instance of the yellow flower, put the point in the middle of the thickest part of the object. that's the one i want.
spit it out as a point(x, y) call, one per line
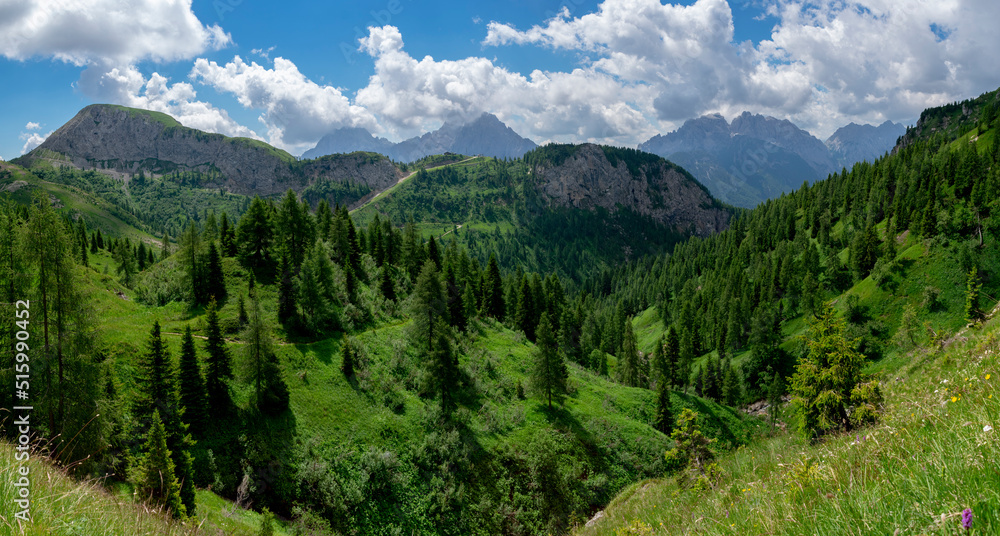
point(954, 399)
point(987, 376)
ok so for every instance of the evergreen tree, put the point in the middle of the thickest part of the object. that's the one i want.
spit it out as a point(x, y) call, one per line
point(671, 359)
point(164, 245)
point(828, 388)
point(443, 371)
point(316, 298)
point(83, 243)
point(215, 279)
point(190, 254)
point(93, 244)
point(241, 312)
point(140, 256)
point(155, 475)
point(227, 237)
point(155, 380)
point(525, 312)
point(549, 373)
point(124, 256)
point(629, 370)
point(347, 358)
point(193, 398)
point(386, 286)
point(254, 236)
point(429, 307)
point(456, 308)
point(218, 365)
point(664, 410)
point(433, 253)
point(270, 391)
point(286, 292)
point(469, 303)
point(731, 391)
point(493, 291)
point(973, 311)
point(692, 451)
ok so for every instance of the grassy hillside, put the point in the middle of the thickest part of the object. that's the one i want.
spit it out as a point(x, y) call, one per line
point(930, 458)
point(64, 506)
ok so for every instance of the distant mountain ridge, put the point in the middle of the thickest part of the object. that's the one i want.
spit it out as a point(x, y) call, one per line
point(758, 157)
point(124, 141)
point(486, 135)
point(855, 143)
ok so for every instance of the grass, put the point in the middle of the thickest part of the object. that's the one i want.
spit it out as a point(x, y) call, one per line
point(932, 455)
point(62, 506)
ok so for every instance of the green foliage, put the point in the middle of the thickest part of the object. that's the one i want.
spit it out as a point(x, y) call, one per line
point(154, 475)
point(193, 398)
point(549, 373)
point(664, 410)
point(829, 391)
point(973, 311)
point(692, 451)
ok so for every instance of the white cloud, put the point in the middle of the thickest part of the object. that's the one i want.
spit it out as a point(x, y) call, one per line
point(410, 96)
point(127, 86)
point(32, 126)
point(296, 110)
point(826, 63)
point(83, 31)
point(32, 140)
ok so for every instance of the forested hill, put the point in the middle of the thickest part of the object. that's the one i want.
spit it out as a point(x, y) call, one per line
point(126, 142)
point(569, 209)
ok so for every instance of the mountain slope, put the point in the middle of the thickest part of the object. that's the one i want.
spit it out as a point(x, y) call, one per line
point(857, 143)
point(486, 135)
point(569, 208)
point(125, 141)
point(755, 158)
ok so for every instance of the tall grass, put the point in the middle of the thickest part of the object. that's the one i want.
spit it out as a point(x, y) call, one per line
point(933, 455)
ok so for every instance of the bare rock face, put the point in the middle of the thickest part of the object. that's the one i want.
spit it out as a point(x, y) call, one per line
point(657, 188)
point(126, 140)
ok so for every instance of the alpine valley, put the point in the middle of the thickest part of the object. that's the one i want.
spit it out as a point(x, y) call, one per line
point(734, 329)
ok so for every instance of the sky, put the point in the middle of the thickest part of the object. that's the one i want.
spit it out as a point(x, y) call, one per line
point(615, 72)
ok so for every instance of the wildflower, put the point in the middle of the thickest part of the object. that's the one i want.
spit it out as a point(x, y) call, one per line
point(954, 399)
point(987, 428)
point(987, 376)
point(967, 519)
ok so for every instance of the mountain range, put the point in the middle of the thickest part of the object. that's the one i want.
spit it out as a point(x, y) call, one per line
point(757, 157)
point(486, 136)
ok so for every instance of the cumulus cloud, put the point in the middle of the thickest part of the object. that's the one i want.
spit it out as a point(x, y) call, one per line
point(127, 86)
point(411, 96)
point(32, 126)
point(826, 62)
point(32, 139)
point(82, 31)
point(296, 110)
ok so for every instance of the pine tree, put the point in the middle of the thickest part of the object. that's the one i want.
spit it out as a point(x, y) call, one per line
point(629, 369)
point(444, 372)
point(731, 391)
point(155, 474)
point(140, 256)
point(429, 307)
point(218, 365)
point(241, 312)
point(493, 291)
point(156, 385)
point(664, 410)
point(215, 279)
point(386, 286)
point(286, 292)
point(316, 291)
point(692, 451)
point(671, 359)
point(973, 311)
point(190, 254)
point(254, 236)
point(549, 373)
point(82, 239)
point(469, 303)
point(270, 391)
point(192, 387)
point(164, 245)
point(433, 252)
point(227, 237)
point(525, 312)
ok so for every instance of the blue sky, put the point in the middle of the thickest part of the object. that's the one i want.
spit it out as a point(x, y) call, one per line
point(617, 71)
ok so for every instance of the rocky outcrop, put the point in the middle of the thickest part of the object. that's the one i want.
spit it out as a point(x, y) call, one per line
point(486, 136)
point(588, 179)
point(125, 141)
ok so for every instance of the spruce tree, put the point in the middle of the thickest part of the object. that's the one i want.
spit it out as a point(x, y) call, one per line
point(429, 306)
point(192, 387)
point(664, 410)
point(549, 373)
point(270, 391)
point(469, 303)
point(164, 245)
point(973, 311)
point(215, 279)
point(525, 312)
point(386, 286)
point(629, 369)
point(671, 359)
point(190, 254)
point(444, 372)
point(227, 237)
point(493, 291)
point(218, 365)
point(286, 292)
point(155, 475)
point(156, 385)
point(254, 236)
